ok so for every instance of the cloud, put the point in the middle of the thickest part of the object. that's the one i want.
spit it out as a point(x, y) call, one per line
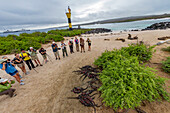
point(53, 11)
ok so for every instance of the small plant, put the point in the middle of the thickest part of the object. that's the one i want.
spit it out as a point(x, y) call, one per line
point(166, 65)
point(166, 49)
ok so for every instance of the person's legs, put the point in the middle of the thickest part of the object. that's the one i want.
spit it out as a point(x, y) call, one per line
point(31, 63)
point(16, 76)
point(66, 52)
point(58, 55)
point(83, 48)
point(23, 69)
point(36, 62)
point(39, 62)
point(28, 64)
point(63, 52)
point(77, 47)
point(90, 48)
point(70, 50)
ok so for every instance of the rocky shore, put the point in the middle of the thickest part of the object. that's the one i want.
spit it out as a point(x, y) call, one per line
point(98, 30)
point(157, 26)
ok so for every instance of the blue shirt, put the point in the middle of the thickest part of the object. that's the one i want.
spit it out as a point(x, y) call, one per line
point(9, 68)
point(53, 45)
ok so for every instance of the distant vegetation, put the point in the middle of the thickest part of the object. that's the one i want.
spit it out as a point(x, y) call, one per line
point(13, 43)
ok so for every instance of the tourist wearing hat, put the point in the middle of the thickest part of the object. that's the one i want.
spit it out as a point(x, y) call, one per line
point(33, 53)
point(10, 69)
point(55, 50)
point(26, 57)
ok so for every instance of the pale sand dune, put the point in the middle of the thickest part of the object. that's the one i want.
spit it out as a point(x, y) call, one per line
point(46, 91)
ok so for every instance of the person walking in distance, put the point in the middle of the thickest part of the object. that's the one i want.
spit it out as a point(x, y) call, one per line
point(33, 53)
point(55, 50)
point(64, 50)
point(82, 45)
point(89, 44)
point(26, 57)
point(77, 44)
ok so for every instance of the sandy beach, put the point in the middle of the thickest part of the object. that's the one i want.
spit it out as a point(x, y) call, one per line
point(47, 90)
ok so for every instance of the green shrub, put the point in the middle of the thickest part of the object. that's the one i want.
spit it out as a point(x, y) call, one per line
point(166, 65)
point(166, 49)
point(13, 43)
point(54, 37)
point(143, 52)
point(126, 83)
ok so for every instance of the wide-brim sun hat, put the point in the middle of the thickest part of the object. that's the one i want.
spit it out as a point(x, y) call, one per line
point(2, 60)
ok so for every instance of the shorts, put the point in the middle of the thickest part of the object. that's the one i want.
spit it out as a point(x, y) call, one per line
point(44, 56)
point(89, 44)
point(56, 54)
point(14, 73)
point(34, 57)
point(20, 65)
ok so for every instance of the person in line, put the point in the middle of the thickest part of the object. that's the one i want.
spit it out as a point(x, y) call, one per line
point(33, 53)
point(19, 62)
point(10, 69)
point(5, 87)
point(89, 44)
point(42, 51)
point(77, 44)
point(55, 50)
point(82, 45)
point(64, 50)
point(26, 57)
point(70, 43)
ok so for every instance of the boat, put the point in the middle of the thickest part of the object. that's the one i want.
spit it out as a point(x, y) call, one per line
point(8, 31)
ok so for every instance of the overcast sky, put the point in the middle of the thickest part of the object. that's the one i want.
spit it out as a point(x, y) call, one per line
point(53, 11)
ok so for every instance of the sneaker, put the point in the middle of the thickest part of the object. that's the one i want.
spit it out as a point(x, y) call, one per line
point(56, 58)
point(59, 58)
point(37, 65)
point(41, 65)
point(22, 80)
point(22, 83)
point(27, 73)
point(20, 76)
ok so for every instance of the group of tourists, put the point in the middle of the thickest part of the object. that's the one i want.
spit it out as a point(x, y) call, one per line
point(27, 57)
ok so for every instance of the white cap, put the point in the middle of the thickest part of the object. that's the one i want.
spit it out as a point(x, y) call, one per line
point(71, 39)
point(31, 47)
point(53, 42)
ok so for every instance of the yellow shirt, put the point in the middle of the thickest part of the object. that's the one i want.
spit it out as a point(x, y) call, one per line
point(25, 55)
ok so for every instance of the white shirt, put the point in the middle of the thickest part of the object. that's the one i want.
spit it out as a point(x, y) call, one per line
point(63, 44)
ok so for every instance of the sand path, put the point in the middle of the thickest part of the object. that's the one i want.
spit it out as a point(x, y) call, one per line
point(46, 91)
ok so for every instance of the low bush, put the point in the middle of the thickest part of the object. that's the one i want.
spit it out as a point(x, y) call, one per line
point(166, 65)
point(166, 49)
point(125, 82)
point(13, 43)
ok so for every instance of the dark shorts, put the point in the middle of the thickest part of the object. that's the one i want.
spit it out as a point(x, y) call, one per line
point(89, 44)
point(14, 73)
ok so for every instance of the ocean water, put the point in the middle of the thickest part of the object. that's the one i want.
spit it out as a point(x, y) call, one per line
point(113, 26)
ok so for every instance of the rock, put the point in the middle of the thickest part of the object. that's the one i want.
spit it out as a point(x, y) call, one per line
point(98, 30)
point(156, 26)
